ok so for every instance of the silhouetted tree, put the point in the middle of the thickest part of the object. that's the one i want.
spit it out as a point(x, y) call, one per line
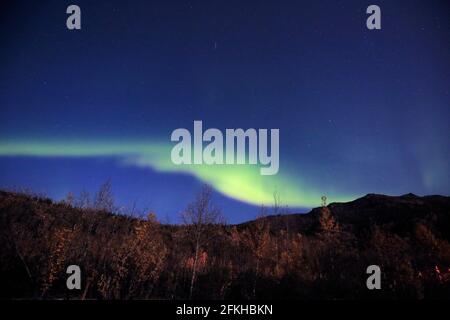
point(104, 199)
point(199, 217)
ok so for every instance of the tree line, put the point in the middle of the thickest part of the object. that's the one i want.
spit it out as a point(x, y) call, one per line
point(125, 257)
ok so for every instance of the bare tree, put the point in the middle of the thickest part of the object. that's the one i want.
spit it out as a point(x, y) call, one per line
point(199, 217)
point(104, 199)
point(70, 199)
point(276, 203)
point(257, 239)
point(83, 201)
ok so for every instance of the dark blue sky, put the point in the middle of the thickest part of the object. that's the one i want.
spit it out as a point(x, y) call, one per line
point(359, 111)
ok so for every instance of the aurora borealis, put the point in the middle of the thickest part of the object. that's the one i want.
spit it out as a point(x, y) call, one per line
point(243, 182)
point(359, 111)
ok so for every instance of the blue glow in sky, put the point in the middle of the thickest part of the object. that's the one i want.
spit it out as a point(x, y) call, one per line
point(359, 111)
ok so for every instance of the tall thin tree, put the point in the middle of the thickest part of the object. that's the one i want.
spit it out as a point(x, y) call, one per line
point(199, 217)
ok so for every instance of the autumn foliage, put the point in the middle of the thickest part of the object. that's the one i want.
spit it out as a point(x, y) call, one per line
point(320, 255)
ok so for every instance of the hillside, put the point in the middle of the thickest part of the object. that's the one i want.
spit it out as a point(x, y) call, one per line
point(399, 213)
point(319, 255)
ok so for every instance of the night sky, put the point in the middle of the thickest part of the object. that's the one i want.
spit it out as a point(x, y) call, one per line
point(359, 111)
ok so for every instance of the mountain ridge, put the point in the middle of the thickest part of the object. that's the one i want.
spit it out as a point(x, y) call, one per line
point(369, 209)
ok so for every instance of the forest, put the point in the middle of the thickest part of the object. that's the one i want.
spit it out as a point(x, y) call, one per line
point(322, 254)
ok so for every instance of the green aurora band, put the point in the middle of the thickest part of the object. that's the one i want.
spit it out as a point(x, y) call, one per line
point(240, 182)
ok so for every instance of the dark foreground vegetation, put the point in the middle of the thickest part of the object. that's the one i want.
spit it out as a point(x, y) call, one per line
point(320, 255)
